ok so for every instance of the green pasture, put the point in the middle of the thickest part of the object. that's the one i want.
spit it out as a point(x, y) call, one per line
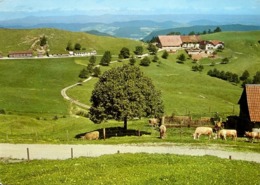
point(241, 48)
point(67, 130)
point(34, 86)
point(132, 169)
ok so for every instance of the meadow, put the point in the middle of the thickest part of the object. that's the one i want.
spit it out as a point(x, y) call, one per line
point(37, 113)
point(26, 39)
point(132, 169)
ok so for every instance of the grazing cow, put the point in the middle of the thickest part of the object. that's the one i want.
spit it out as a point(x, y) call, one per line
point(154, 122)
point(91, 135)
point(252, 135)
point(202, 131)
point(224, 133)
point(162, 131)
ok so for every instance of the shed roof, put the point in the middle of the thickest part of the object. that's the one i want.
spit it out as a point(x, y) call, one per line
point(170, 40)
point(253, 101)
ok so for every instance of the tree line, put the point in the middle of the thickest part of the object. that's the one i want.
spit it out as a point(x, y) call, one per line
point(209, 31)
point(234, 78)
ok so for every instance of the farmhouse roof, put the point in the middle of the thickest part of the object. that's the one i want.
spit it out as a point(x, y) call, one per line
point(170, 40)
point(216, 42)
point(252, 92)
point(191, 39)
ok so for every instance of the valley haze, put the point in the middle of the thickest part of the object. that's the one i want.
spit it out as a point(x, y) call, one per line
point(135, 19)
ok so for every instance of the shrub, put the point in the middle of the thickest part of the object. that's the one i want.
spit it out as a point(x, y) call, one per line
point(2, 111)
point(145, 61)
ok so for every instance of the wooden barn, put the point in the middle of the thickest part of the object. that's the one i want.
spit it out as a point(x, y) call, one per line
point(249, 116)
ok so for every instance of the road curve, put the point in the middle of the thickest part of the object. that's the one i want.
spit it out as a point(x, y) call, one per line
point(65, 96)
point(54, 151)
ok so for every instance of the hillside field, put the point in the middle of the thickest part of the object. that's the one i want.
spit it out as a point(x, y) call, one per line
point(57, 40)
point(33, 86)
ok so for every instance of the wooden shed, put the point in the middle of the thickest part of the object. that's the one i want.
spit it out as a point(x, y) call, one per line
point(250, 104)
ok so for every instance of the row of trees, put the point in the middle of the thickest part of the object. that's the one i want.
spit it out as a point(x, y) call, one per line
point(91, 69)
point(76, 47)
point(228, 76)
point(245, 78)
point(232, 77)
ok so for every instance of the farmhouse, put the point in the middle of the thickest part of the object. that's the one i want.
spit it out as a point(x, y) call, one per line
point(193, 44)
point(20, 54)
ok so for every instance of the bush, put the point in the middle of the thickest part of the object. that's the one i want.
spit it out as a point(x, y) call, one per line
point(165, 54)
point(225, 61)
point(2, 111)
point(145, 61)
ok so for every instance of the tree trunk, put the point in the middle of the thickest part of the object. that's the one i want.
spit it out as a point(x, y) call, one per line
point(125, 123)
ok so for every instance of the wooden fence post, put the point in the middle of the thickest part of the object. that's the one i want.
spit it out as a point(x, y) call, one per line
point(28, 154)
point(104, 133)
point(71, 153)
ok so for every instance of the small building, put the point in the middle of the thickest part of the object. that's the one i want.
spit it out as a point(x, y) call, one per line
point(211, 46)
point(20, 54)
point(170, 42)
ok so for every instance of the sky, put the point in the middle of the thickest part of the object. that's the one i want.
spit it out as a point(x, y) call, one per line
point(21, 8)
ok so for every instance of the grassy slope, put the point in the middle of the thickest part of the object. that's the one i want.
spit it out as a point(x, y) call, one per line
point(16, 40)
point(183, 91)
point(243, 50)
point(33, 86)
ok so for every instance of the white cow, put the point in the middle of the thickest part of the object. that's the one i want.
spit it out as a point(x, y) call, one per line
point(203, 131)
point(224, 133)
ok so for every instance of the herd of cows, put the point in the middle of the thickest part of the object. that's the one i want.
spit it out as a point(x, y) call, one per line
point(213, 133)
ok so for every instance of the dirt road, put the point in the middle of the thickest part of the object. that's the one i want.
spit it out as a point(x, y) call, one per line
point(49, 151)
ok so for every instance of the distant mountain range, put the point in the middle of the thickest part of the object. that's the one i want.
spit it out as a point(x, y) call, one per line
point(138, 26)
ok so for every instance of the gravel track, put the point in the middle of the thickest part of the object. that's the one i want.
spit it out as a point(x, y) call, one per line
point(53, 151)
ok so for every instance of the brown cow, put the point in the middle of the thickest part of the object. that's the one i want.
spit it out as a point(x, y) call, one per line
point(252, 135)
point(91, 135)
point(224, 133)
point(162, 131)
point(203, 131)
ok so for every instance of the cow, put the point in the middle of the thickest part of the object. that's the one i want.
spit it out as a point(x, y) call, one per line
point(153, 122)
point(91, 135)
point(162, 129)
point(252, 135)
point(203, 131)
point(224, 133)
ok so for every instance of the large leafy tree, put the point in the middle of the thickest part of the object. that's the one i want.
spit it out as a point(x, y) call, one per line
point(123, 93)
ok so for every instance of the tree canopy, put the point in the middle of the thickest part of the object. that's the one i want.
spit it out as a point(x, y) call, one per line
point(124, 53)
point(106, 59)
point(124, 93)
